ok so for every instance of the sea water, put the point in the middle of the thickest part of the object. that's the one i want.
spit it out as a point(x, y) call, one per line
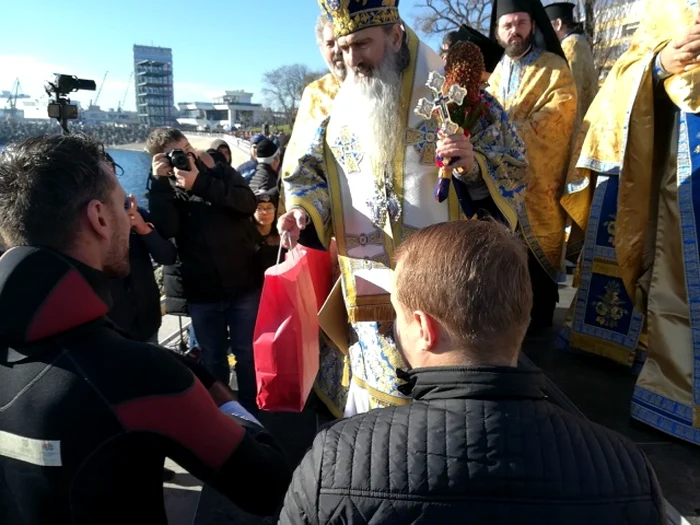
point(136, 166)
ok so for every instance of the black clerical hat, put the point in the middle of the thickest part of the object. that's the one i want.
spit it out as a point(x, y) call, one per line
point(507, 7)
point(491, 50)
point(545, 37)
point(563, 10)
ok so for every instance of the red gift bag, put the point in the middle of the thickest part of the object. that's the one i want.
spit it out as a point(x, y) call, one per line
point(320, 269)
point(285, 342)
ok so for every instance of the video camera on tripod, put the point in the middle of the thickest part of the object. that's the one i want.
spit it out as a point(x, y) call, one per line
point(60, 106)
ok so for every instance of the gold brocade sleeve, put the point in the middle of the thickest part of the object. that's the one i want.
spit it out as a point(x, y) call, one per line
point(617, 136)
point(315, 105)
point(683, 90)
point(306, 186)
point(550, 118)
point(500, 153)
point(578, 54)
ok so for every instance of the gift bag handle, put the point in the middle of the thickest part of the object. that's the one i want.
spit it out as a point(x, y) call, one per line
point(292, 245)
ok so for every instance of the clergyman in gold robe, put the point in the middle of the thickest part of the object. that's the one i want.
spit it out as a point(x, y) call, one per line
point(578, 53)
point(317, 99)
point(536, 88)
point(369, 180)
point(635, 191)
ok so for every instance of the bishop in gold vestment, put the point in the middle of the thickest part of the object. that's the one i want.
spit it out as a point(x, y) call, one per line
point(367, 181)
point(537, 90)
point(635, 191)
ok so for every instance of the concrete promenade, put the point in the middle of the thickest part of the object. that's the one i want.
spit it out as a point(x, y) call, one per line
point(240, 149)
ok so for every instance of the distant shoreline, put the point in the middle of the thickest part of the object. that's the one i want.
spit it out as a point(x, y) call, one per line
point(134, 146)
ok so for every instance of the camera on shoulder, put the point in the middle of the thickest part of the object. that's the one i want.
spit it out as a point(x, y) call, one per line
point(179, 159)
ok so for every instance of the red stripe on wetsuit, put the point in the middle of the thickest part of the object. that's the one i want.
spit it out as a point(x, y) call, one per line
point(208, 433)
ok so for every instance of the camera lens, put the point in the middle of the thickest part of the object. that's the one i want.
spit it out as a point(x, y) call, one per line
point(179, 160)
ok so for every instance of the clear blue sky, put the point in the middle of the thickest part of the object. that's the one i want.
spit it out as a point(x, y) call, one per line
point(223, 44)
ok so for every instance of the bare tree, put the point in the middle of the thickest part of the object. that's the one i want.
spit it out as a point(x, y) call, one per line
point(266, 115)
point(284, 86)
point(609, 25)
point(441, 16)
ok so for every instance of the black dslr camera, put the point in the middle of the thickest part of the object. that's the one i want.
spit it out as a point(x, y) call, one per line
point(179, 159)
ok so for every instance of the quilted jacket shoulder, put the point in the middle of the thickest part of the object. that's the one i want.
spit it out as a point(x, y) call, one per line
point(504, 459)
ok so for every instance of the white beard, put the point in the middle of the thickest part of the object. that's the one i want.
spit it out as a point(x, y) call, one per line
point(370, 107)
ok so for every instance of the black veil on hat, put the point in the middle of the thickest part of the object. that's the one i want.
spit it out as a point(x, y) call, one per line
point(545, 37)
point(492, 51)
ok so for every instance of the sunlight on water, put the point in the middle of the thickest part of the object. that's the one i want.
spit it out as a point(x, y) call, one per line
point(136, 165)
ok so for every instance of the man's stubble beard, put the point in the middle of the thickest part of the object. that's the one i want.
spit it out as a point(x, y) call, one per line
point(117, 263)
point(370, 106)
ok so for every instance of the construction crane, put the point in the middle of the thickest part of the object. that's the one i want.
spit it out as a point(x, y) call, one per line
point(12, 101)
point(128, 84)
point(99, 92)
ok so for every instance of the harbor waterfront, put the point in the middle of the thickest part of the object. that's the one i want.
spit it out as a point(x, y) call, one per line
point(136, 163)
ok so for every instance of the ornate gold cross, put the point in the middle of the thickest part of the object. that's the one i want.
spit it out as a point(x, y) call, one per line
point(426, 108)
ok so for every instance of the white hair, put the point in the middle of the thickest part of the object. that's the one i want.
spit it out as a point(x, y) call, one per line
point(321, 22)
point(371, 107)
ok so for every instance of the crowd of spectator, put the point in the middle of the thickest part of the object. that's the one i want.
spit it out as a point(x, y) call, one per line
point(109, 135)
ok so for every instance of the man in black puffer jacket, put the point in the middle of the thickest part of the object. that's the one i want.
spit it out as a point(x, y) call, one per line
point(480, 443)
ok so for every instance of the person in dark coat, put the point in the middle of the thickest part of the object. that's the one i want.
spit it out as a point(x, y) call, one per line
point(219, 155)
point(221, 146)
point(265, 222)
point(136, 298)
point(209, 210)
point(266, 177)
point(247, 169)
point(480, 443)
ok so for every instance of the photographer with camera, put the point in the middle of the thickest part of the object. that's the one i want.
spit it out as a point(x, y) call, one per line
point(208, 208)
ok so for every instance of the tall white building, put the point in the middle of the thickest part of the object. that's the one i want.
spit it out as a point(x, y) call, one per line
point(153, 80)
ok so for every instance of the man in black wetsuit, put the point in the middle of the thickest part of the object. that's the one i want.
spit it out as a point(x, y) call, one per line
point(87, 416)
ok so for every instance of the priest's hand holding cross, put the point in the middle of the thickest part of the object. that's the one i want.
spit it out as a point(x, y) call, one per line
point(459, 148)
point(454, 149)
